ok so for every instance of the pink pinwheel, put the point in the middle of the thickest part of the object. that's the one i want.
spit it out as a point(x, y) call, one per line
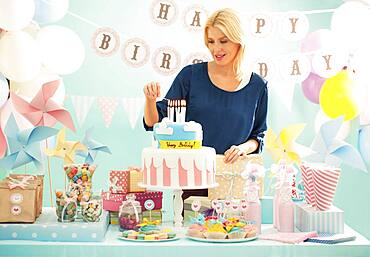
point(43, 110)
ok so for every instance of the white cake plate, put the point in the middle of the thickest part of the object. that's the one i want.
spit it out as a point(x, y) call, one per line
point(178, 204)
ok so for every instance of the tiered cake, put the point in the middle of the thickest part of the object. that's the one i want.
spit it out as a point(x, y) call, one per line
point(178, 160)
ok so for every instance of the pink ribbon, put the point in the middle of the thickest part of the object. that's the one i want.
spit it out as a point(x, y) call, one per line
point(14, 183)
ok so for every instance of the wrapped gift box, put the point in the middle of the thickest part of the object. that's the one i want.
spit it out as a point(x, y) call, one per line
point(47, 228)
point(307, 218)
point(39, 181)
point(229, 179)
point(136, 177)
point(112, 202)
point(18, 201)
point(119, 181)
point(153, 215)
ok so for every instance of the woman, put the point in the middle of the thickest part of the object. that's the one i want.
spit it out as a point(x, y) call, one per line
point(230, 105)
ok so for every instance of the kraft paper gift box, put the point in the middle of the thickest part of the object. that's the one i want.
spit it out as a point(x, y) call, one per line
point(18, 201)
point(112, 202)
point(39, 180)
point(119, 181)
point(307, 218)
point(136, 177)
point(228, 176)
point(189, 213)
point(47, 228)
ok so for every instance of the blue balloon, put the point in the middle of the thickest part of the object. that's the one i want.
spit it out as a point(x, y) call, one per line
point(364, 143)
point(48, 11)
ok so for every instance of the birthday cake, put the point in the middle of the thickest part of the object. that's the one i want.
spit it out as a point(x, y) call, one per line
point(177, 159)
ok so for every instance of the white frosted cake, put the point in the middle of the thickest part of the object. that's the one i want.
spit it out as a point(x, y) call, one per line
point(178, 159)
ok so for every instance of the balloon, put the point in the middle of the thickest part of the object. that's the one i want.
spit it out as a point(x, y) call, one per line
point(29, 89)
point(50, 11)
point(316, 40)
point(311, 87)
point(344, 130)
point(347, 23)
point(4, 90)
point(16, 14)
point(364, 143)
point(62, 51)
point(20, 56)
point(337, 96)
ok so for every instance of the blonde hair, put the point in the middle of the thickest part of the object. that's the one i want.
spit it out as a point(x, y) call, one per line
point(229, 23)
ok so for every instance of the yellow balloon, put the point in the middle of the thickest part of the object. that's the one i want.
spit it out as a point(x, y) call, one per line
point(337, 96)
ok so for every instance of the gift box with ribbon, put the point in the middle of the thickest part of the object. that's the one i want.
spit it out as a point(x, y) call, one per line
point(39, 181)
point(18, 200)
point(119, 181)
point(228, 176)
point(148, 200)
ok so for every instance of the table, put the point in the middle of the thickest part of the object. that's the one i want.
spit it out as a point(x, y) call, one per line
point(183, 248)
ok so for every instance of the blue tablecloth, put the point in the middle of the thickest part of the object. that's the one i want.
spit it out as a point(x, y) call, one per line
point(183, 248)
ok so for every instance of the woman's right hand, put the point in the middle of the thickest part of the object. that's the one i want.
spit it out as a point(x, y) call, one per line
point(152, 90)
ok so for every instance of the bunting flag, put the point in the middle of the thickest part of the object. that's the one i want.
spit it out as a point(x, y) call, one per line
point(108, 107)
point(132, 107)
point(82, 105)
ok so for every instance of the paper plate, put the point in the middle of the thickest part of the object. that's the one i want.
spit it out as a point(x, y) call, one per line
point(239, 240)
point(148, 241)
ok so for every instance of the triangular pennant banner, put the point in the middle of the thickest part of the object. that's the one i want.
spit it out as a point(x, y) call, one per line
point(107, 106)
point(82, 105)
point(133, 108)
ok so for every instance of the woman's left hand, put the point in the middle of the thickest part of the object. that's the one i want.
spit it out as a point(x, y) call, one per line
point(232, 154)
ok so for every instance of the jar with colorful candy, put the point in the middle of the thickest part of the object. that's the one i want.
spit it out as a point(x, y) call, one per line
point(66, 207)
point(92, 209)
point(130, 213)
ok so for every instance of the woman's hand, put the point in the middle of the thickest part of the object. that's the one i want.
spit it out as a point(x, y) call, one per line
point(232, 154)
point(152, 90)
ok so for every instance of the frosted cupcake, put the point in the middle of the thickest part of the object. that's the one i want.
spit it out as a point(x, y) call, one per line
point(196, 230)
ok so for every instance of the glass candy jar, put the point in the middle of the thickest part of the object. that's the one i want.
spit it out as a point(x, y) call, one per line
point(92, 210)
point(66, 207)
point(130, 213)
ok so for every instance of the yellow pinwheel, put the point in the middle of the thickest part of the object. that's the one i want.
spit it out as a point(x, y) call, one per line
point(65, 149)
point(283, 146)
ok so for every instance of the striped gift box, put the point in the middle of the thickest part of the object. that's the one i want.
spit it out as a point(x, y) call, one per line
point(307, 218)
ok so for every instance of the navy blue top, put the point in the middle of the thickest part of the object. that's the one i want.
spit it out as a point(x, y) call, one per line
point(227, 118)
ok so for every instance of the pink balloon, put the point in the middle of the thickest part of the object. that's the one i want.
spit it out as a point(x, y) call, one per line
point(316, 40)
point(311, 87)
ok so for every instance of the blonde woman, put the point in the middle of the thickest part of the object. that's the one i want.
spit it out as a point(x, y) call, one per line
point(230, 104)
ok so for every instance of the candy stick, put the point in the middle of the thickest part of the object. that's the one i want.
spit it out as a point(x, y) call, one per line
point(149, 205)
point(214, 204)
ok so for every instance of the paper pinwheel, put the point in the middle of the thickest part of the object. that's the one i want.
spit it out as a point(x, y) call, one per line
point(65, 149)
point(284, 147)
point(93, 147)
point(24, 146)
point(43, 110)
point(332, 151)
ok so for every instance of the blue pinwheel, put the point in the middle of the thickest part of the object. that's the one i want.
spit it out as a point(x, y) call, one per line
point(93, 147)
point(24, 146)
point(332, 151)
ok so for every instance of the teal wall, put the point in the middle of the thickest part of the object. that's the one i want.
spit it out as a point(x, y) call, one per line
point(111, 77)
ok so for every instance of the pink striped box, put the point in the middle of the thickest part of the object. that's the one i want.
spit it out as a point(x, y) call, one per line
point(112, 202)
point(307, 218)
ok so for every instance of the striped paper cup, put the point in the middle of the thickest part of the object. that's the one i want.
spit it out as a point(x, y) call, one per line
point(325, 180)
point(306, 170)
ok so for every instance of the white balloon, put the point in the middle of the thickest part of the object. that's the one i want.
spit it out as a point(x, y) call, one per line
point(328, 62)
point(33, 29)
point(16, 14)
point(50, 11)
point(4, 90)
point(62, 51)
point(29, 89)
point(20, 56)
point(349, 24)
point(321, 118)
